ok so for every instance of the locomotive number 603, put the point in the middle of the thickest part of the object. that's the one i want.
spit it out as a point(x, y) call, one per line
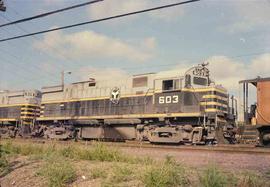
point(168, 99)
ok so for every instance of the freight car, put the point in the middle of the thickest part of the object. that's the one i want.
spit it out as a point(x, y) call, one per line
point(18, 111)
point(258, 114)
point(188, 108)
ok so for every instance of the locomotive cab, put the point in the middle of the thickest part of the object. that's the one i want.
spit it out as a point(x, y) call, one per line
point(197, 77)
point(197, 110)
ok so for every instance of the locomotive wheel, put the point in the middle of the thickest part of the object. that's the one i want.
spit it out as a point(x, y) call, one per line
point(220, 137)
point(265, 142)
point(13, 132)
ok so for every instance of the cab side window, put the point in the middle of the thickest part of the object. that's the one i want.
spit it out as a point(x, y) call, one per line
point(167, 85)
point(172, 84)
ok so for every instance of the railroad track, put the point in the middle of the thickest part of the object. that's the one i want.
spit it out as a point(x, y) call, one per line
point(216, 148)
point(226, 148)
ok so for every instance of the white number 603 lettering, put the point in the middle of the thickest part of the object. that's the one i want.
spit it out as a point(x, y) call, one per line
point(168, 99)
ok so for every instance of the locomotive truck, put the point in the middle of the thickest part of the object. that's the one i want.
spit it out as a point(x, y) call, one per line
point(184, 108)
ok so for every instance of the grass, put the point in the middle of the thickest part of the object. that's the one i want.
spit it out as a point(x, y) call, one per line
point(114, 168)
point(121, 173)
point(9, 148)
point(102, 153)
point(4, 165)
point(165, 174)
point(267, 174)
point(69, 151)
point(161, 174)
point(57, 171)
point(250, 179)
point(98, 152)
point(98, 172)
point(213, 177)
point(118, 175)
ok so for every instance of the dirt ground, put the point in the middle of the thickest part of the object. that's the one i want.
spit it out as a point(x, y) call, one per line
point(197, 159)
point(23, 173)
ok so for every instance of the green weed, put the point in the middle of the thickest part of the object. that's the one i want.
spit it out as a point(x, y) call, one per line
point(213, 177)
point(166, 174)
point(250, 179)
point(98, 172)
point(70, 151)
point(4, 165)
point(57, 171)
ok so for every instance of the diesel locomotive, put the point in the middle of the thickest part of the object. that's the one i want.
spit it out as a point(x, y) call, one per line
point(188, 108)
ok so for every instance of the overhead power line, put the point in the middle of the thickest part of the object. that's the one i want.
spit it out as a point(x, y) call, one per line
point(189, 60)
point(59, 52)
point(100, 20)
point(49, 13)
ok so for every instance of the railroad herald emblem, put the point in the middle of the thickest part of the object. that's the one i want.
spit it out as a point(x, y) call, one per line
point(115, 95)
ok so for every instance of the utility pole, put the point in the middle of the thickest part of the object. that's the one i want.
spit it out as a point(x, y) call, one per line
point(2, 6)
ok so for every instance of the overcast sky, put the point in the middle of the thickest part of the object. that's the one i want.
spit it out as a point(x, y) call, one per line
point(232, 35)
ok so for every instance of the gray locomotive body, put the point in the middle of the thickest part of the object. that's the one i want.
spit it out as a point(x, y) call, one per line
point(154, 107)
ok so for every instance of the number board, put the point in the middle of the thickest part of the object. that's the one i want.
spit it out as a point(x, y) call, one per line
point(201, 71)
point(172, 98)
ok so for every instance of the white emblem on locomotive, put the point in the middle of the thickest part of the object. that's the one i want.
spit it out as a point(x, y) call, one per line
point(115, 95)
